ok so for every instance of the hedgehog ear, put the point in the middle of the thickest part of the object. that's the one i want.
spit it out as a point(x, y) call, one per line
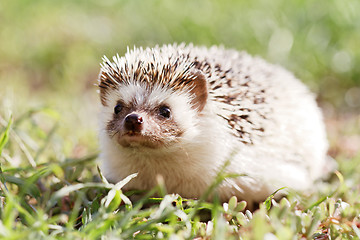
point(106, 84)
point(199, 91)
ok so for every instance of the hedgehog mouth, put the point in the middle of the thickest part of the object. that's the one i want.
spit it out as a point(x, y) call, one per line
point(133, 139)
point(132, 134)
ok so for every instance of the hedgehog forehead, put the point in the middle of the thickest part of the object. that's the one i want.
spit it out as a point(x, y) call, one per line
point(140, 96)
point(133, 94)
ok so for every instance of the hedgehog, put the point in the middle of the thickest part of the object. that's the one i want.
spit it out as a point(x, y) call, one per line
point(183, 112)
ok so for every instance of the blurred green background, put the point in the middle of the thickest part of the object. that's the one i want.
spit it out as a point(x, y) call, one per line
point(50, 50)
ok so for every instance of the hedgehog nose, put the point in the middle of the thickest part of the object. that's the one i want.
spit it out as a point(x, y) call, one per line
point(133, 122)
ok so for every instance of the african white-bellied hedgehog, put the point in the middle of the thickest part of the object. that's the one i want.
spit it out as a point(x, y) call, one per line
point(182, 111)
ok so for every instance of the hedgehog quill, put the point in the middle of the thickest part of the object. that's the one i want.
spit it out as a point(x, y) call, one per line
point(182, 111)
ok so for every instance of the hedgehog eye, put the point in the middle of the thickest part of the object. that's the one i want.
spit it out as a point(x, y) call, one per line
point(118, 108)
point(165, 111)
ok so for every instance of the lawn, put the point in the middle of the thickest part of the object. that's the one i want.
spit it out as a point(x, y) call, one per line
point(50, 52)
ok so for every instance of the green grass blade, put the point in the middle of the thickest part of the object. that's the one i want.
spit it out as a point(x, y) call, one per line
point(4, 137)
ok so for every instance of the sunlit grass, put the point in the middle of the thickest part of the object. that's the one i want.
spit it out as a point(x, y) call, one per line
point(69, 199)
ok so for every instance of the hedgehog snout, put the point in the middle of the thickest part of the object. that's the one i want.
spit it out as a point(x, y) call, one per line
point(133, 122)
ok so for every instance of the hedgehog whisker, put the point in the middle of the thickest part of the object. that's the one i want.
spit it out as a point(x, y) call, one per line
point(113, 134)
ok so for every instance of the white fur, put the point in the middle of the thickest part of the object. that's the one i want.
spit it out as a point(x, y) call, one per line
point(290, 153)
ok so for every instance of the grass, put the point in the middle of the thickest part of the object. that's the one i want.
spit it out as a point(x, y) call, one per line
point(49, 61)
point(70, 199)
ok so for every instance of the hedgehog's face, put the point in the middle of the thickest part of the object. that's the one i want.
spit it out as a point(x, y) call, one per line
point(151, 104)
point(136, 115)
